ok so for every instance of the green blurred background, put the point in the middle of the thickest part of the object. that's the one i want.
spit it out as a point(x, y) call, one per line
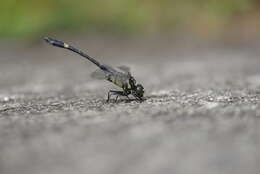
point(30, 18)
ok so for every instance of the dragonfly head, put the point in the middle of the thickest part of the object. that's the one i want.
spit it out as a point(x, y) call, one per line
point(139, 91)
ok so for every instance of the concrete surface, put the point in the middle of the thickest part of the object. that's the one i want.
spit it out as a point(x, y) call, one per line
point(201, 114)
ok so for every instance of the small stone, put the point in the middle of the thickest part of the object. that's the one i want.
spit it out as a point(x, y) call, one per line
point(211, 99)
point(210, 105)
point(6, 99)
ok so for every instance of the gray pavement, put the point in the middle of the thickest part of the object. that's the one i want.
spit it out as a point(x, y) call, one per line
point(201, 114)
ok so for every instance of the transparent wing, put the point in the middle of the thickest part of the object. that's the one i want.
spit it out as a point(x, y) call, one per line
point(98, 74)
point(110, 69)
point(124, 68)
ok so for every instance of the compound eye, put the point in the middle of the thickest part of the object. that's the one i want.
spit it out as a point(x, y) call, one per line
point(139, 87)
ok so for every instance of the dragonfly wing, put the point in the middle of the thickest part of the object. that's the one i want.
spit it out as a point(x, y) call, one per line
point(124, 68)
point(98, 74)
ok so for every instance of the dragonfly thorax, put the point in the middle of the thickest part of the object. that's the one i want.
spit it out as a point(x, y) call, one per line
point(132, 82)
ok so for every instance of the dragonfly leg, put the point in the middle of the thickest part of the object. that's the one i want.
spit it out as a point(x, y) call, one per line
point(108, 96)
point(116, 98)
point(117, 93)
point(139, 99)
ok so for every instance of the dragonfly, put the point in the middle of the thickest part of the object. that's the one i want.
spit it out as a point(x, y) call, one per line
point(122, 78)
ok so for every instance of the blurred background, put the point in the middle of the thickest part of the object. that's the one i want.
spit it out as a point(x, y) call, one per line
point(28, 19)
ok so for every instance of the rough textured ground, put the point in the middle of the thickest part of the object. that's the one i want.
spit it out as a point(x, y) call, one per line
point(201, 114)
